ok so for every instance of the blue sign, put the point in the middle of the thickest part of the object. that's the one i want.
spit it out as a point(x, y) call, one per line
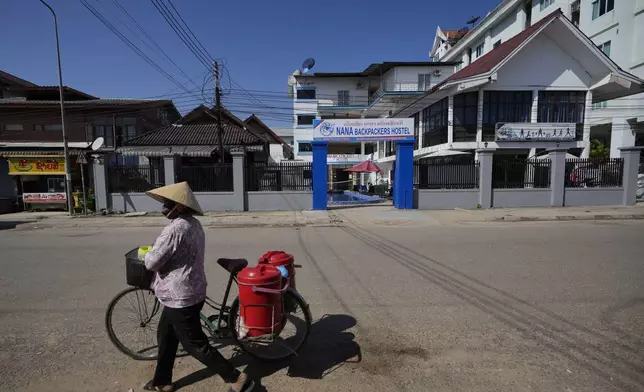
point(360, 130)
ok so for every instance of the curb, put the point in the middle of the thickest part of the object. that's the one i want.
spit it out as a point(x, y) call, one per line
point(564, 218)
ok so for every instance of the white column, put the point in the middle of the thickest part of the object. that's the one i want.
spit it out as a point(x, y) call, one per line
point(450, 119)
point(421, 120)
point(534, 113)
point(621, 136)
point(588, 107)
point(479, 117)
point(362, 150)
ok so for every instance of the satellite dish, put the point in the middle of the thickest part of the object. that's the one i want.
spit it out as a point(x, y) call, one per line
point(308, 64)
point(98, 143)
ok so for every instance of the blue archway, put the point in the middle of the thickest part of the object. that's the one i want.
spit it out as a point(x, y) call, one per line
point(366, 130)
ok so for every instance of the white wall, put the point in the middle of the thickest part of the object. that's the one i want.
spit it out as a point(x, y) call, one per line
point(527, 68)
point(327, 89)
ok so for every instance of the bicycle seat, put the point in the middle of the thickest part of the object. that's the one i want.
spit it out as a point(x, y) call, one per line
point(233, 265)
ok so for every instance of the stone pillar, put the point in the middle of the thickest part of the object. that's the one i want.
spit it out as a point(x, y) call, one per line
point(404, 175)
point(621, 135)
point(588, 107)
point(450, 119)
point(320, 174)
point(239, 179)
point(99, 170)
point(486, 159)
point(557, 176)
point(168, 169)
point(631, 156)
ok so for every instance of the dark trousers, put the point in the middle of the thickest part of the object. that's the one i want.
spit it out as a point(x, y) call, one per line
point(183, 325)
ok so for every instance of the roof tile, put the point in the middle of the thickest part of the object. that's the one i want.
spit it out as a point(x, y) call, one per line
point(196, 135)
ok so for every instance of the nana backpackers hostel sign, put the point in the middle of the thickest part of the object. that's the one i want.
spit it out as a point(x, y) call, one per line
point(519, 132)
point(364, 129)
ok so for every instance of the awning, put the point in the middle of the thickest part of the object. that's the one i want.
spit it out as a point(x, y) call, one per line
point(441, 153)
point(186, 151)
point(36, 153)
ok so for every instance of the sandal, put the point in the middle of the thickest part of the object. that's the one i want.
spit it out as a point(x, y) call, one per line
point(158, 388)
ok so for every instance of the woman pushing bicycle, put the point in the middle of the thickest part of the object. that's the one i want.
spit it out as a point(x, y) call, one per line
point(177, 257)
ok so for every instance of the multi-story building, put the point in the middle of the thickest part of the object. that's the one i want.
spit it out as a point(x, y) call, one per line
point(31, 143)
point(616, 27)
point(378, 91)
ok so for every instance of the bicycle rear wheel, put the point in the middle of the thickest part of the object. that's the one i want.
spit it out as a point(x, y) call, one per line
point(296, 321)
point(131, 321)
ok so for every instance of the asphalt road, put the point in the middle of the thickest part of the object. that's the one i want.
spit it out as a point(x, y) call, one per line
point(478, 307)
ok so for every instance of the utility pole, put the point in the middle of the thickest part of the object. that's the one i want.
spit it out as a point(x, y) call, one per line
point(220, 135)
point(68, 176)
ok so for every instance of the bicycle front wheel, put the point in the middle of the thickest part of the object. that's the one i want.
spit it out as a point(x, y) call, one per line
point(296, 327)
point(131, 320)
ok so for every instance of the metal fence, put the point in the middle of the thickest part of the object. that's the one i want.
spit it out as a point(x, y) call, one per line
point(212, 177)
point(141, 178)
point(446, 175)
point(283, 176)
point(594, 173)
point(520, 173)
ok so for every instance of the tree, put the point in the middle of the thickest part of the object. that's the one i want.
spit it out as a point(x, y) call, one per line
point(599, 149)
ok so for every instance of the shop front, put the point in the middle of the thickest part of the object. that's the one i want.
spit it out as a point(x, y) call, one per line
point(40, 181)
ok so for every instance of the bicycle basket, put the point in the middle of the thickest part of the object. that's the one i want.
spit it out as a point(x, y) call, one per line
point(135, 272)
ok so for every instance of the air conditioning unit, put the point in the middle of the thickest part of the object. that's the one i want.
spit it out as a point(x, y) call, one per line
point(359, 86)
point(437, 72)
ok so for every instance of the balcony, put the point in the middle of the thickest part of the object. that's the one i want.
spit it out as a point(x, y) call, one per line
point(399, 88)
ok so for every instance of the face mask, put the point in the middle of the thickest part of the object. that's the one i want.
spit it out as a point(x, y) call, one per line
point(169, 209)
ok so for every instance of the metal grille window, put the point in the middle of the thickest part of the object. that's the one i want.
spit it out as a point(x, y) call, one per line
point(306, 93)
point(343, 98)
point(543, 4)
point(502, 107)
point(465, 110)
point(435, 124)
point(304, 147)
point(600, 7)
point(562, 107)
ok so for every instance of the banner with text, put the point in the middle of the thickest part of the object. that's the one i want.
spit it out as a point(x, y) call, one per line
point(362, 130)
point(36, 166)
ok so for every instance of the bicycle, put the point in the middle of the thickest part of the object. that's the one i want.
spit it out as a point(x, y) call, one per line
point(223, 325)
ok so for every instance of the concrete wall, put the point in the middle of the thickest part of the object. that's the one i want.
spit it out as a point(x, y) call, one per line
point(218, 201)
point(446, 199)
point(509, 198)
point(279, 201)
point(134, 202)
point(593, 196)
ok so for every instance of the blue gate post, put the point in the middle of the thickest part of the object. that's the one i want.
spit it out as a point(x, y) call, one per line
point(404, 175)
point(319, 174)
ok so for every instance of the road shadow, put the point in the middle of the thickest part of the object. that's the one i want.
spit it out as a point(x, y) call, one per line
point(9, 225)
point(330, 346)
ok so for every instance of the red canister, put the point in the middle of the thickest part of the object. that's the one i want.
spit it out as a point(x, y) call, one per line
point(260, 300)
point(279, 258)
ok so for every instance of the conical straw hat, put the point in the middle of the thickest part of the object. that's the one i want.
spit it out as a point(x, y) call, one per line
point(179, 193)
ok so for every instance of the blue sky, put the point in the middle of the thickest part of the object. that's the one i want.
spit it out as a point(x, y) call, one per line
point(261, 41)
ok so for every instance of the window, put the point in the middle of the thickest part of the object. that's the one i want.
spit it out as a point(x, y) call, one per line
point(125, 129)
point(305, 147)
point(543, 4)
point(416, 129)
point(12, 127)
point(101, 127)
point(305, 119)
point(435, 124)
point(605, 47)
point(600, 7)
point(306, 93)
point(562, 107)
point(52, 128)
point(465, 110)
point(458, 67)
point(424, 82)
point(600, 105)
point(479, 50)
point(575, 14)
point(504, 107)
point(527, 8)
point(343, 98)
point(497, 44)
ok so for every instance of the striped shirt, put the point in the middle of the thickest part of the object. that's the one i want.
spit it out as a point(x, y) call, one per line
point(177, 257)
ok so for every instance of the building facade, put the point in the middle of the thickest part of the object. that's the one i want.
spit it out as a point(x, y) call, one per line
point(616, 27)
point(31, 147)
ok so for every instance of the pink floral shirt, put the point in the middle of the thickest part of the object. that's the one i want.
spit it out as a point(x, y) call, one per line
point(177, 257)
